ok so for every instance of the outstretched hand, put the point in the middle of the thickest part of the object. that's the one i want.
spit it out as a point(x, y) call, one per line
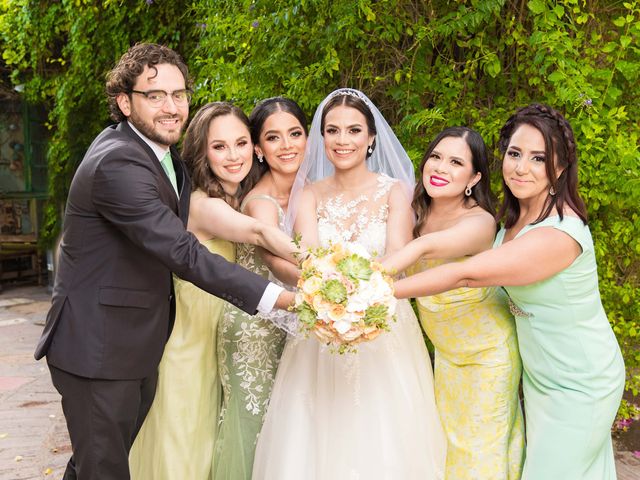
point(285, 300)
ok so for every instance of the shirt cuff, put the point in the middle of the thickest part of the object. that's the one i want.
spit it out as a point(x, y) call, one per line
point(269, 297)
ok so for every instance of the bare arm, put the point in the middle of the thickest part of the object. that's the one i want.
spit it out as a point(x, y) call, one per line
point(213, 217)
point(306, 220)
point(266, 212)
point(399, 220)
point(535, 256)
point(471, 235)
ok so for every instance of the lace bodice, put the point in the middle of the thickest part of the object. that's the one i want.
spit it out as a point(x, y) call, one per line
point(246, 254)
point(362, 220)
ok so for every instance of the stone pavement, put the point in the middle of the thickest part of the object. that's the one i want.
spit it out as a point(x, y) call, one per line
point(33, 437)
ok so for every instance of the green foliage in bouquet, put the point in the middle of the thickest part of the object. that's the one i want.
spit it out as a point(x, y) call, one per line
point(306, 315)
point(377, 315)
point(426, 65)
point(355, 267)
point(334, 291)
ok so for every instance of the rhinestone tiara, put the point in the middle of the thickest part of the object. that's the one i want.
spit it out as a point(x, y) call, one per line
point(351, 92)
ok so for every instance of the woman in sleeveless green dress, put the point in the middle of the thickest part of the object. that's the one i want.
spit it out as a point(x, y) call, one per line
point(476, 349)
point(573, 369)
point(249, 348)
point(178, 436)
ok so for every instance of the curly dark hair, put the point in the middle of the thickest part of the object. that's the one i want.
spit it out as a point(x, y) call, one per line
point(194, 153)
point(480, 192)
point(560, 146)
point(122, 78)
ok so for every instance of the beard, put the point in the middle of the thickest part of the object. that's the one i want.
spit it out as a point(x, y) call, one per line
point(149, 130)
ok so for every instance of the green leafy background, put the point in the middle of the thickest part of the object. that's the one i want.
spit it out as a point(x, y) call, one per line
point(426, 64)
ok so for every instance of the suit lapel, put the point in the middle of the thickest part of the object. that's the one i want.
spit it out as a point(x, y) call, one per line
point(165, 185)
point(184, 185)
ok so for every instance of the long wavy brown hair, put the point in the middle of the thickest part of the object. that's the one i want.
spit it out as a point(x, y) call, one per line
point(194, 153)
point(560, 152)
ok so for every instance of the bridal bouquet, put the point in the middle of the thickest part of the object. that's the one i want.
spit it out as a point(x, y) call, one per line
point(344, 297)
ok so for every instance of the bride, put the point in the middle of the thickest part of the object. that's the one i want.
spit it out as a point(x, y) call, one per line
point(369, 415)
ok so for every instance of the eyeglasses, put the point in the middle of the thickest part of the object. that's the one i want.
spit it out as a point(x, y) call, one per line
point(157, 97)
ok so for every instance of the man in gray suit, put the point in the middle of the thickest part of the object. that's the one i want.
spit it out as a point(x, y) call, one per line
point(124, 234)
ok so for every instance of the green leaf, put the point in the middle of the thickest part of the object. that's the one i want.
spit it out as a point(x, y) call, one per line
point(620, 22)
point(582, 18)
point(625, 41)
point(537, 6)
point(556, 76)
point(629, 69)
point(493, 66)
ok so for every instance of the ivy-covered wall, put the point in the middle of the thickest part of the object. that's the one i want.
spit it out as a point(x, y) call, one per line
point(426, 64)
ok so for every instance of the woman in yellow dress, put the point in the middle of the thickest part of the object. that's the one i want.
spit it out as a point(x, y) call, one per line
point(178, 436)
point(477, 364)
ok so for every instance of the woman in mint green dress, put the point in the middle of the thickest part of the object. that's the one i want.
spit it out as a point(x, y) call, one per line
point(573, 372)
point(249, 347)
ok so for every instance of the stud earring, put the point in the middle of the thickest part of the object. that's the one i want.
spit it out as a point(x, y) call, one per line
point(467, 191)
point(552, 191)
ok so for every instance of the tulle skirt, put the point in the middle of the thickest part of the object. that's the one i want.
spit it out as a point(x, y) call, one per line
point(369, 415)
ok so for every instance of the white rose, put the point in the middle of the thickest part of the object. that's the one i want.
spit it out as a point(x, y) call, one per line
point(342, 326)
point(357, 249)
point(357, 303)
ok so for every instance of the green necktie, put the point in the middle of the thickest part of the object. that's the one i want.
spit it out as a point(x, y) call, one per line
point(167, 164)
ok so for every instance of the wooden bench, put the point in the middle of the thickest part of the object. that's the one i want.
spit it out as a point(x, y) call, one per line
point(17, 247)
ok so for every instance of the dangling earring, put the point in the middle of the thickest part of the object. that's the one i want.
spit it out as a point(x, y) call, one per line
point(552, 191)
point(369, 150)
point(260, 158)
point(467, 191)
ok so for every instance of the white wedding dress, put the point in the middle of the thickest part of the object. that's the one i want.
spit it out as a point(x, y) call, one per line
point(364, 416)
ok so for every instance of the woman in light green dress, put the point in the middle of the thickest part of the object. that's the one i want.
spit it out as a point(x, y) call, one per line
point(178, 436)
point(249, 348)
point(573, 369)
point(472, 330)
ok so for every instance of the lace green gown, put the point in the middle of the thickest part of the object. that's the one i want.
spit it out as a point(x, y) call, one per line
point(573, 372)
point(177, 438)
point(249, 350)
